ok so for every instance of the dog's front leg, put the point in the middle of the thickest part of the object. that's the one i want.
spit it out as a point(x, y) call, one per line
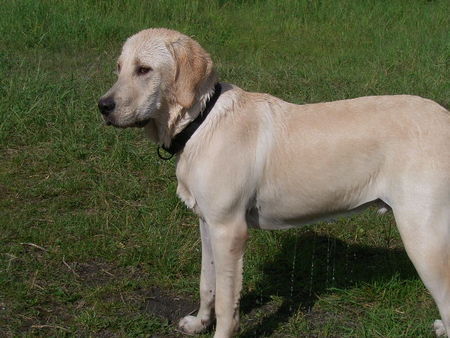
point(228, 242)
point(198, 323)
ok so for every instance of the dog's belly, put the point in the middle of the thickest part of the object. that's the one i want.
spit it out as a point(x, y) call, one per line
point(312, 198)
point(268, 220)
point(299, 195)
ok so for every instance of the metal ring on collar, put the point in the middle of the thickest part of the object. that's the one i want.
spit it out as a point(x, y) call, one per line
point(162, 157)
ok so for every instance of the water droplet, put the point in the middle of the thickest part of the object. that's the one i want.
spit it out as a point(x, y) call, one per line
point(311, 275)
point(294, 259)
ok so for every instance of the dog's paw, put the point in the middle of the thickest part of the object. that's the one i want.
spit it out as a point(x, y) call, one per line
point(439, 328)
point(192, 324)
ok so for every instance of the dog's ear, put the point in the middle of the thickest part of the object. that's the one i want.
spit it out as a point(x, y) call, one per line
point(193, 67)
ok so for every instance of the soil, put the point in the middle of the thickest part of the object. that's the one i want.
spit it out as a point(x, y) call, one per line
point(164, 305)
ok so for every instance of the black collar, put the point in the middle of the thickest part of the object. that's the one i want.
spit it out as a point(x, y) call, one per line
point(179, 141)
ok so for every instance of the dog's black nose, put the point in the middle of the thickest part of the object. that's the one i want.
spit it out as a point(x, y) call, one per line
point(106, 105)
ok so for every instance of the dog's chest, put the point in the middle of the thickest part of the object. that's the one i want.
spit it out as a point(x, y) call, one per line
point(184, 190)
point(185, 195)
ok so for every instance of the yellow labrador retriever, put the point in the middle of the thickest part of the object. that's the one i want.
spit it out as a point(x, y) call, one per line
point(253, 160)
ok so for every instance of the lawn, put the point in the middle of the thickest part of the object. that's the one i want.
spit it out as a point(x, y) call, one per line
point(93, 240)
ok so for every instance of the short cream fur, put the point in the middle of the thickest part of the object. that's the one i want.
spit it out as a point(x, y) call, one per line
point(258, 161)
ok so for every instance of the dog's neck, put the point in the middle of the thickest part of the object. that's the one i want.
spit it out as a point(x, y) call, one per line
point(175, 118)
point(180, 139)
point(182, 118)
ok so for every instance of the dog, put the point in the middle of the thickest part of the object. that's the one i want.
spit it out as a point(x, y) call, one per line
point(253, 160)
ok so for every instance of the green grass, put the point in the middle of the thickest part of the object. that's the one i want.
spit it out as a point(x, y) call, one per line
point(103, 208)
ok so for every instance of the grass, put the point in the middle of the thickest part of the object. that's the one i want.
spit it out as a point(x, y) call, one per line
point(93, 240)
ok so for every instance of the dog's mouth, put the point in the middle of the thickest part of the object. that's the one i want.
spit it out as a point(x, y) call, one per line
point(139, 124)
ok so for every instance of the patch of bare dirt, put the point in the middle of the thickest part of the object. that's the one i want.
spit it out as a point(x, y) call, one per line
point(165, 305)
point(156, 301)
point(94, 273)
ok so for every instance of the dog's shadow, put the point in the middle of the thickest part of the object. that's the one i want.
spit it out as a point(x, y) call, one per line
point(307, 266)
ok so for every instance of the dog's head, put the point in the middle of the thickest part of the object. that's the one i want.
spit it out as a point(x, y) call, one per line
point(159, 72)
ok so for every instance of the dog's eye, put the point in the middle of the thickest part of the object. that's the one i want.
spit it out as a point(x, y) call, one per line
point(143, 70)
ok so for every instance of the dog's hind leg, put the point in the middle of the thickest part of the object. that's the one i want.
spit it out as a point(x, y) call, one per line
point(198, 323)
point(425, 231)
